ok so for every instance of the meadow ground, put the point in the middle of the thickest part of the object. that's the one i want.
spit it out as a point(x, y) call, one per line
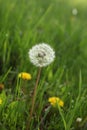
point(62, 24)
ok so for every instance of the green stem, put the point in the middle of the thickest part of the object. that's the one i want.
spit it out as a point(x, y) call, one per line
point(62, 116)
point(3, 79)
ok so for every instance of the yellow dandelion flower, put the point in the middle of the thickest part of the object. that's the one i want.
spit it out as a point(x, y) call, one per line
point(0, 101)
point(24, 75)
point(55, 100)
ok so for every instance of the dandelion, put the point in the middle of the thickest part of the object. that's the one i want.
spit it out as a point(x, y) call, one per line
point(24, 75)
point(56, 101)
point(0, 101)
point(75, 11)
point(79, 119)
point(41, 55)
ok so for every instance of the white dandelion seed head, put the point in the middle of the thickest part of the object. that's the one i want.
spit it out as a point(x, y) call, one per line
point(79, 119)
point(74, 11)
point(41, 55)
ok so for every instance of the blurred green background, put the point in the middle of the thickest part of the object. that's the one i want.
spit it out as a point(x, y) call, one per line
point(60, 23)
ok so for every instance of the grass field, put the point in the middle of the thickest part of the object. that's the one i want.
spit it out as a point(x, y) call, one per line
point(62, 25)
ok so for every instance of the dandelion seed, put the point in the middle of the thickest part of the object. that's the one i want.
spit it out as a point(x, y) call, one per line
point(24, 75)
point(56, 101)
point(41, 55)
point(74, 11)
point(0, 101)
point(79, 119)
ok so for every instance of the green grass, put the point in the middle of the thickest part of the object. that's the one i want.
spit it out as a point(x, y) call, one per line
point(26, 23)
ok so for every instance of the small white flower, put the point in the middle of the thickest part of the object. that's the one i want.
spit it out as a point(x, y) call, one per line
point(79, 119)
point(41, 55)
point(74, 11)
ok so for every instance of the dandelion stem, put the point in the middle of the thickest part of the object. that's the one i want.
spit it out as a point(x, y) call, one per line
point(33, 100)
